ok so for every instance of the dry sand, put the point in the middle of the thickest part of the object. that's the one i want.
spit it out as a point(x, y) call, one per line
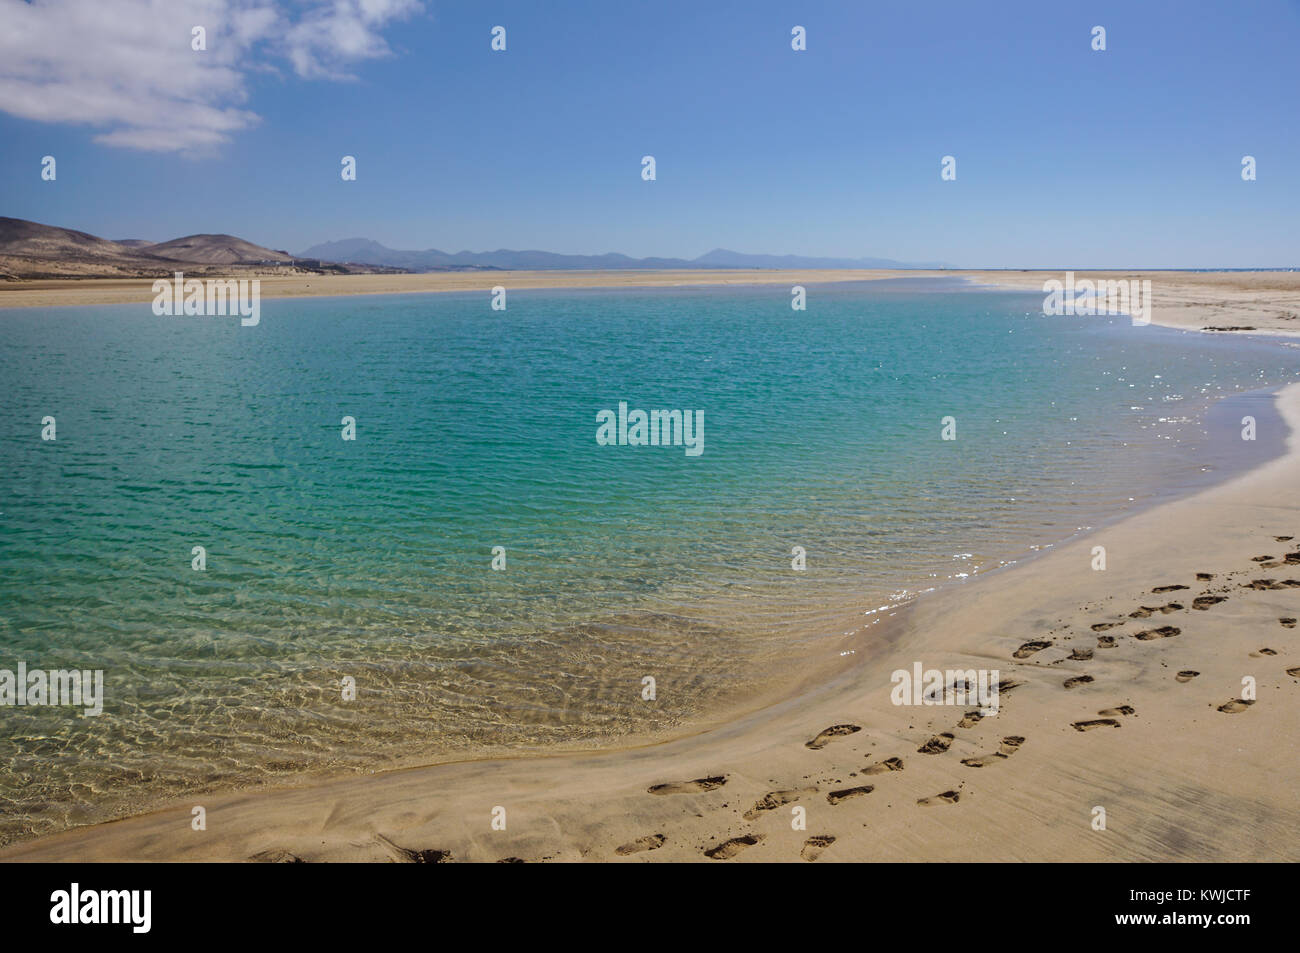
point(55, 292)
point(1183, 768)
point(1246, 301)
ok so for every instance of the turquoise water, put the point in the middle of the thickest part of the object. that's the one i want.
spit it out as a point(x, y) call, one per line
point(476, 429)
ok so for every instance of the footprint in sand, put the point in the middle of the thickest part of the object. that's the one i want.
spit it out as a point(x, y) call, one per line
point(1146, 611)
point(1010, 745)
point(1029, 648)
point(1294, 672)
point(1118, 710)
point(882, 767)
point(1271, 584)
point(1106, 642)
point(432, 856)
point(947, 797)
point(834, 731)
point(689, 787)
point(276, 856)
point(774, 799)
point(1077, 680)
point(1288, 622)
point(404, 855)
point(1236, 705)
point(1080, 655)
point(938, 744)
point(970, 719)
point(1095, 723)
point(1262, 559)
point(1262, 652)
point(1164, 632)
point(1103, 626)
point(1204, 576)
point(1186, 675)
point(730, 848)
point(1283, 539)
point(649, 842)
point(843, 795)
point(813, 846)
point(1168, 588)
point(1204, 602)
point(1291, 558)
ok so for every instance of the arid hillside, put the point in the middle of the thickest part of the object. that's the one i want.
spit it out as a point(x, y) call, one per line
point(30, 250)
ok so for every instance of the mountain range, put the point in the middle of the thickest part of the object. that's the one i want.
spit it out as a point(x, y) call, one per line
point(369, 252)
point(31, 250)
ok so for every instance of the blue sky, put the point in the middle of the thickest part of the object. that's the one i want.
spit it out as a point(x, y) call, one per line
point(1065, 156)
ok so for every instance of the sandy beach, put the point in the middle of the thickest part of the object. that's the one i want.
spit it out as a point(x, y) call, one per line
point(56, 292)
point(1122, 700)
point(1221, 301)
point(738, 434)
point(1258, 301)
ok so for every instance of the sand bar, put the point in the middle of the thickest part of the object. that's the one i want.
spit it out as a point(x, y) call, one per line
point(1263, 301)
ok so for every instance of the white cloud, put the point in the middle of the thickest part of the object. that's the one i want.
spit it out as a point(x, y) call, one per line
point(326, 39)
point(127, 67)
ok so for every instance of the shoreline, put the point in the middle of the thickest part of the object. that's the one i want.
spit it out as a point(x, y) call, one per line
point(605, 803)
point(1257, 302)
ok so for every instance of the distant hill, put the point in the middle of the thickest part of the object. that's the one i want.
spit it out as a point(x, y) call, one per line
point(216, 250)
point(32, 250)
point(31, 239)
point(367, 251)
